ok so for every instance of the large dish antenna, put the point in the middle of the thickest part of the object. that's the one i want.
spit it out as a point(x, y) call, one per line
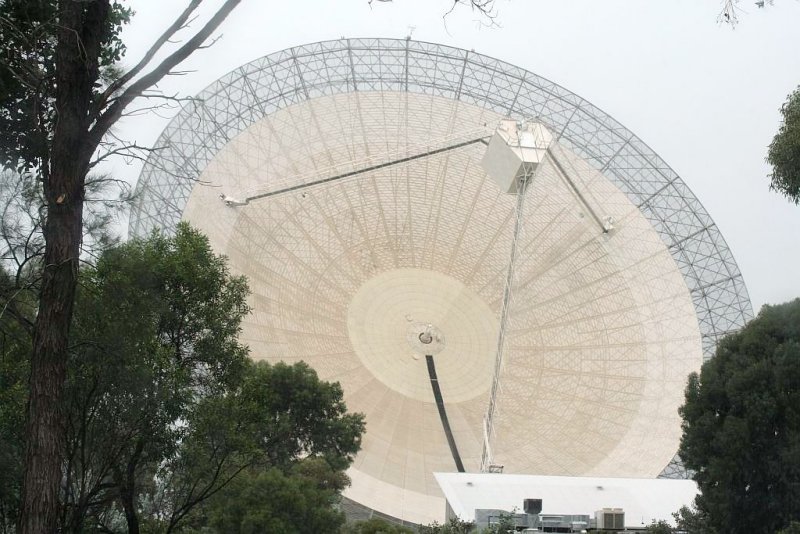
point(375, 241)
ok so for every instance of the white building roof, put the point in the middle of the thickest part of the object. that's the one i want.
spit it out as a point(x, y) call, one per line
point(642, 500)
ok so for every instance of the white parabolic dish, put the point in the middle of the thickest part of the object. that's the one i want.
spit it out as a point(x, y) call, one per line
point(372, 237)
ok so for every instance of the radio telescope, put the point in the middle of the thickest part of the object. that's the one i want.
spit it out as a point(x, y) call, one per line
point(538, 322)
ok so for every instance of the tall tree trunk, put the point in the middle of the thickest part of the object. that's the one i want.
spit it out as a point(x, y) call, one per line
point(81, 26)
point(82, 31)
point(127, 488)
point(128, 498)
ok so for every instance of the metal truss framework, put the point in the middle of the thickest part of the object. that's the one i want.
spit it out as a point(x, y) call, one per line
point(293, 76)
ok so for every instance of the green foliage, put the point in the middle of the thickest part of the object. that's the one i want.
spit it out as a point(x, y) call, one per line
point(504, 524)
point(154, 336)
point(273, 501)
point(28, 36)
point(276, 416)
point(784, 151)
point(793, 528)
point(692, 521)
point(453, 526)
point(375, 525)
point(60, 94)
point(308, 410)
point(658, 527)
point(741, 426)
point(15, 345)
point(164, 410)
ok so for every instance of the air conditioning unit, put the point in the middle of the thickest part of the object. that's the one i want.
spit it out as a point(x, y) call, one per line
point(532, 506)
point(610, 519)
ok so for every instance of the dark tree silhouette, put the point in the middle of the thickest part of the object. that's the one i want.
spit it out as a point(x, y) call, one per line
point(741, 426)
point(59, 96)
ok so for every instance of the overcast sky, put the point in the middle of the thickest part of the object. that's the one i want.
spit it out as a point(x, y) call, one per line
point(704, 96)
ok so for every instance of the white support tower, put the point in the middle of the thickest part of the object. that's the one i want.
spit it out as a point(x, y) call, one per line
point(514, 154)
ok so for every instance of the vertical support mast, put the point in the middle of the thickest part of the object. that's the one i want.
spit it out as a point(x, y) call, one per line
point(512, 158)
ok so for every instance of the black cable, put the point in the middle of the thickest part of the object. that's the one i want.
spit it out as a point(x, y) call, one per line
point(437, 394)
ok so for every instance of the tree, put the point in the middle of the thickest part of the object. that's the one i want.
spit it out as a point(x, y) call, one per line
point(280, 416)
point(21, 250)
point(164, 410)
point(730, 10)
point(15, 343)
point(59, 96)
point(504, 524)
point(784, 151)
point(154, 336)
point(150, 315)
point(741, 426)
point(375, 525)
point(299, 501)
point(658, 527)
point(453, 526)
point(689, 519)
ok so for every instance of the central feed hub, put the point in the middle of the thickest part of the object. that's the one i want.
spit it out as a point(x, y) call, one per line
point(398, 317)
point(425, 338)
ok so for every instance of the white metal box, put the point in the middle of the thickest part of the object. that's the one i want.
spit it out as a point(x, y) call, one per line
point(516, 148)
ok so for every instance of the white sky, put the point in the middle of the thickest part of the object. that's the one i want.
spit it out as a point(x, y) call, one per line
point(704, 96)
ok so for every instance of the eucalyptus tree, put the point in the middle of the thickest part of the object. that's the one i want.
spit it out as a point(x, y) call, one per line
point(60, 94)
point(784, 150)
point(741, 427)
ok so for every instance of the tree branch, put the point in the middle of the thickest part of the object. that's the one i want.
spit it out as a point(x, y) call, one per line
point(127, 152)
point(165, 37)
point(114, 111)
